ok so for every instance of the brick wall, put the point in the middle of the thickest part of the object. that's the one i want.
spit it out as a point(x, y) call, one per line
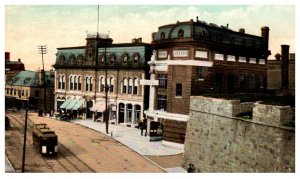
point(174, 131)
point(218, 143)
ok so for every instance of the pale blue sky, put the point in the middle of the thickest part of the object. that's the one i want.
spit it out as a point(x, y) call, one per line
point(65, 25)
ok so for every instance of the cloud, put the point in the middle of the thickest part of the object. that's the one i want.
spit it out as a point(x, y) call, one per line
point(65, 26)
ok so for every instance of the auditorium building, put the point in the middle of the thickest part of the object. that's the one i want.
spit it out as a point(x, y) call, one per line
point(195, 58)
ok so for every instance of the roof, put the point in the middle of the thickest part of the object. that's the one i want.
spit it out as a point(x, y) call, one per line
point(30, 78)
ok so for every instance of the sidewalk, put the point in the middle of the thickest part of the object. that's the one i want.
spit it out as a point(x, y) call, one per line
point(8, 166)
point(132, 138)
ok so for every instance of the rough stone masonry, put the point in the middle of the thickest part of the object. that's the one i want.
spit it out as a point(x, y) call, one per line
point(217, 141)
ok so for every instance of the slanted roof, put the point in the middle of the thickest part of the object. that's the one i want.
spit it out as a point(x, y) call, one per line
point(30, 78)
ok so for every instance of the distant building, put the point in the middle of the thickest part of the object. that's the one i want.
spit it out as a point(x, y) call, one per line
point(80, 79)
point(194, 58)
point(275, 71)
point(27, 87)
point(12, 67)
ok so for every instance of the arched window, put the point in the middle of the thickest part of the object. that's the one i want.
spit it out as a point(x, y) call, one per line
point(63, 82)
point(111, 84)
point(125, 83)
point(79, 83)
point(129, 113)
point(91, 84)
point(124, 58)
point(112, 58)
point(180, 33)
point(59, 82)
point(130, 86)
point(71, 83)
point(87, 83)
point(136, 58)
point(101, 83)
point(135, 86)
point(75, 82)
point(162, 36)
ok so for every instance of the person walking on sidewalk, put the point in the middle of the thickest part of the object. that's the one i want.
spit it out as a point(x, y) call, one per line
point(144, 126)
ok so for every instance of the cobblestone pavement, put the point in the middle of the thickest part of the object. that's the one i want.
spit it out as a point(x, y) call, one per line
point(79, 150)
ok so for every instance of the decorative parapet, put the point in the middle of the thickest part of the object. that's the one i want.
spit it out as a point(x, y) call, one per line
point(217, 106)
point(273, 115)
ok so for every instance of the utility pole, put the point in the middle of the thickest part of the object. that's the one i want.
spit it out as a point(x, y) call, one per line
point(106, 91)
point(24, 143)
point(43, 50)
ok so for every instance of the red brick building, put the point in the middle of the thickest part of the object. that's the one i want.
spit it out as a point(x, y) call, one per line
point(194, 58)
point(12, 67)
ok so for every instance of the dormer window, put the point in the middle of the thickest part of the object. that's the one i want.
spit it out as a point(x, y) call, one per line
point(112, 59)
point(180, 33)
point(62, 59)
point(124, 58)
point(101, 59)
point(71, 59)
point(162, 36)
point(136, 58)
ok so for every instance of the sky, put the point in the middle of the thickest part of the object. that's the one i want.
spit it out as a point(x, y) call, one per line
point(27, 26)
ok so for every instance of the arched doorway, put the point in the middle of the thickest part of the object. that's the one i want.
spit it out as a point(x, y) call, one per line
point(121, 113)
point(129, 113)
point(89, 113)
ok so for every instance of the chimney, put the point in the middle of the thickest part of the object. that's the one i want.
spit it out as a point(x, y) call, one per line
point(265, 35)
point(19, 59)
point(133, 40)
point(140, 40)
point(41, 77)
point(242, 31)
point(284, 67)
point(7, 56)
point(153, 35)
point(277, 56)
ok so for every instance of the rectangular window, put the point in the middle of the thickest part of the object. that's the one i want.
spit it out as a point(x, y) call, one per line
point(201, 73)
point(102, 88)
point(242, 59)
point(71, 86)
point(59, 85)
point(86, 87)
point(124, 89)
point(162, 102)
point(26, 92)
point(219, 56)
point(178, 89)
point(162, 81)
point(261, 82)
point(180, 53)
point(91, 87)
point(129, 89)
point(135, 90)
point(75, 86)
point(252, 60)
point(111, 88)
point(79, 86)
point(201, 54)
point(37, 93)
point(230, 58)
point(63, 85)
point(162, 54)
point(262, 61)
point(242, 81)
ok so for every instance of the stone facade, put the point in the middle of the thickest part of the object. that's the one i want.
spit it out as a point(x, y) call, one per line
point(216, 141)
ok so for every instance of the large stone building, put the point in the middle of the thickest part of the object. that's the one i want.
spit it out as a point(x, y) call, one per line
point(80, 74)
point(194, 58)
point(12, 67)
point(27, 87)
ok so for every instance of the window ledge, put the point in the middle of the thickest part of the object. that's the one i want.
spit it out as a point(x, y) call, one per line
point(178, 97)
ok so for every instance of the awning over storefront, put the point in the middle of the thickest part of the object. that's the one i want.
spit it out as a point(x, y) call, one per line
point(65, 104)
point(78, 105)
point(98, 107)
point(71, 104)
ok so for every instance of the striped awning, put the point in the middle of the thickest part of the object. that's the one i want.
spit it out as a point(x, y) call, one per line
point(78, 105)
point(71, 104)
point(65, 104)
point(98, 107)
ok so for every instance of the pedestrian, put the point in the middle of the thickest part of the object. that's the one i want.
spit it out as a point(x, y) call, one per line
point(143, 126)
point(191, 168)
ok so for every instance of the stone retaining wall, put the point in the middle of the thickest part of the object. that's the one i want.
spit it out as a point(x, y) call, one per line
point(218, 142)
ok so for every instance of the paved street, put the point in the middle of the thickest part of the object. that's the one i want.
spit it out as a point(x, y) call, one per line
point(79, 150)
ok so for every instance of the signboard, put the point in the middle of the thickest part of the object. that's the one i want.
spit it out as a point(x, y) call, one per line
point(252, 60)
point(162, 54)
point(230, 58)
point(149, 82)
